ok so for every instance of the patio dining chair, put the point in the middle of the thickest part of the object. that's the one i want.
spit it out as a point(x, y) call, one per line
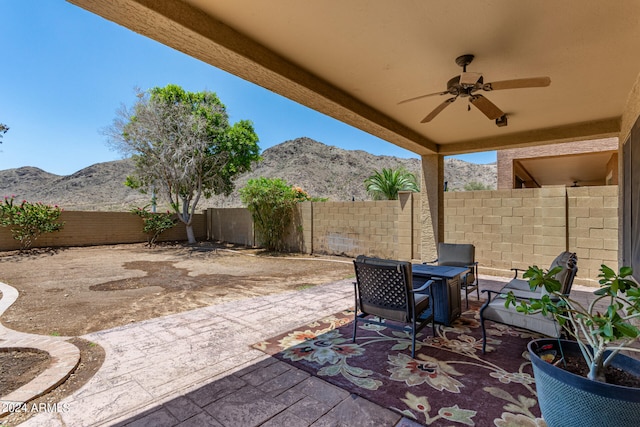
point(461, 255)
point(384, 291)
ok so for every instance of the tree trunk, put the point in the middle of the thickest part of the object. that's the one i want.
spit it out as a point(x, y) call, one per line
point(191, 238)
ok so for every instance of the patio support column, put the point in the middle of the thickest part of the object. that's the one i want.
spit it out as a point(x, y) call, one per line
point(432, 198)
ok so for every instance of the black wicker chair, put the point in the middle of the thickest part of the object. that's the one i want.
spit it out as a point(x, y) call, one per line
point(383, 289)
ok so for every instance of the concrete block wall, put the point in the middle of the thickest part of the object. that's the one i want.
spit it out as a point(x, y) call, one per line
point(416, 228)
point(354, 228)
point(510, 228)
point(235, 225)
point(301, 235)
point(522, 227)
point(232, 225)
point(383, 228)
point(102, 228)
point(593, 227)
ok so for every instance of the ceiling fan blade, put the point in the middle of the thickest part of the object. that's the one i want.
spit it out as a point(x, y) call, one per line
point(518, 83)
point(438, 110)
point(487, 107)
point(422, 96)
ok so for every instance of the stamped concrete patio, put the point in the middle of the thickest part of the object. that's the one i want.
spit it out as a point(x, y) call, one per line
point(198, 369)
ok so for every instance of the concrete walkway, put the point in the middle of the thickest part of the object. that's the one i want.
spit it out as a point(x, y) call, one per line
point(198, 369)
point(64, 356)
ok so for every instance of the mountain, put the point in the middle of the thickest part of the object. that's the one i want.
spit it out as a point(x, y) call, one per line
point(97, 187)
point(321, 170)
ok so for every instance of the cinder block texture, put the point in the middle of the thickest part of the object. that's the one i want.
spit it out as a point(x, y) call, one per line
point(102, 228)
point(519, 228)
point(510, 228)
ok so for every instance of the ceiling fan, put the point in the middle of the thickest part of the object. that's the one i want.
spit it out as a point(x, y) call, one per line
point(467, 84)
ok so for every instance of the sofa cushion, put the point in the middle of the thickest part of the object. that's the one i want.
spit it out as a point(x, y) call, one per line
point(521, 289)
point(497, 312)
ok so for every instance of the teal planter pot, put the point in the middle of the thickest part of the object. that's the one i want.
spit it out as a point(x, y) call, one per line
point(568, 400)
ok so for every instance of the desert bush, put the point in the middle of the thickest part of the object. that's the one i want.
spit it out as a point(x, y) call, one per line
point(271, 203)
point(28, 221)
point(154, 224)
point(476, 186)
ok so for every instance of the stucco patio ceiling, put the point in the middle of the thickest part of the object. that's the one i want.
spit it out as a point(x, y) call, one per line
point(568, 170)
point(355, 60)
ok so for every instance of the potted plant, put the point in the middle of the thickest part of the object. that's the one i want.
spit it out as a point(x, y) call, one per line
point(599, 331)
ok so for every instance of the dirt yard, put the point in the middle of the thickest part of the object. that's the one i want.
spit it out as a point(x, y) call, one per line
point(74, 291)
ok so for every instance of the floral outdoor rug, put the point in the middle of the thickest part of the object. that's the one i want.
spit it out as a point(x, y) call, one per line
point(450, 382)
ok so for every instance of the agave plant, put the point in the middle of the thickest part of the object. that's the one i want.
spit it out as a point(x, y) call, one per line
point(600, 335)
point(385, 185)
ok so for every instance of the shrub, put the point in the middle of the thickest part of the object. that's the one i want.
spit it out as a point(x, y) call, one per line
point(154, 224)
point(476, 186)
point(271, 203)
point(27, 221)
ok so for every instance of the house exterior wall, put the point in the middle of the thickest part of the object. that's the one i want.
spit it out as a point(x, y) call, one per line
point(629, 119)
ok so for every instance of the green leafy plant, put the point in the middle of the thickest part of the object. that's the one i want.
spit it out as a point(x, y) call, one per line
point(600, 335)
point(3, 129)
point(154, 224)
point(271, 203)
point(28, 221)
point(386, 185)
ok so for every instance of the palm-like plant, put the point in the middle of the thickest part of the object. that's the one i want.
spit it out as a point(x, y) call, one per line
point(386, 184)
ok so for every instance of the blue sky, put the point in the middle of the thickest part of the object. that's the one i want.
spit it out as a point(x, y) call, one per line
point(66, 71)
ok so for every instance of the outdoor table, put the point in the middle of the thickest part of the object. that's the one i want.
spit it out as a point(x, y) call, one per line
point(445, 292)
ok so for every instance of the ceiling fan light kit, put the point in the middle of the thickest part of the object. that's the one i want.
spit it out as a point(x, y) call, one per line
point(501, 121)
point(467, 84)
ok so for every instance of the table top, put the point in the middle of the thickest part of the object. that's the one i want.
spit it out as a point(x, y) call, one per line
point(444, 271)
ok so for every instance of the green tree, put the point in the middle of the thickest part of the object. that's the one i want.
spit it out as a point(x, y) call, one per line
point(3, 129)
point(27, 221)
point(183, 146)
point(385, 184)
point(271, 203)
point(476, 186)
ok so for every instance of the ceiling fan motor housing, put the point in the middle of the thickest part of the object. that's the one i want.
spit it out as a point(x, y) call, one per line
point(466, 85)
point(456, 86)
